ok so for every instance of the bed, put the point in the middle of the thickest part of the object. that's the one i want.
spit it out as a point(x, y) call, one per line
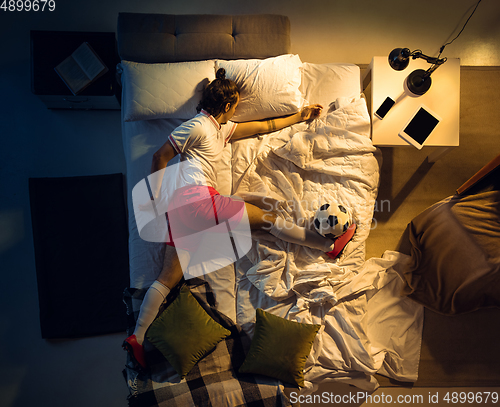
point(363, 325)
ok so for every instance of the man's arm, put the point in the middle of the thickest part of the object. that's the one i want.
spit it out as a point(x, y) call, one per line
point(249, 129)
point(160, 161)
point(162, 157)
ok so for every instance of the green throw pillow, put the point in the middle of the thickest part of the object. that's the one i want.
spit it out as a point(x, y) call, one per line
point(184, 332)
point(279, 348)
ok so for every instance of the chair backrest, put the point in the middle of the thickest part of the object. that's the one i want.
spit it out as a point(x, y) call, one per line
point(486, 177)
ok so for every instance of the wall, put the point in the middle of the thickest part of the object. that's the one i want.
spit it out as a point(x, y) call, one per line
point(322, 31)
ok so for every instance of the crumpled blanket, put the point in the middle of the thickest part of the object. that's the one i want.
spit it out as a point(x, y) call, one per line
point(333, 159)
point(367, 326)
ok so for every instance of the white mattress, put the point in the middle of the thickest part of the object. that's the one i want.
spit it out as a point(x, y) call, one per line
point(367, 326)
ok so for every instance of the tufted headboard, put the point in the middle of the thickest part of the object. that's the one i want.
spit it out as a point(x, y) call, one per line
point(160, 38)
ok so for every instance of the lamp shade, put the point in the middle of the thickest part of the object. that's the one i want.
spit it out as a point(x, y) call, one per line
point(418, 82)
point(399, 58)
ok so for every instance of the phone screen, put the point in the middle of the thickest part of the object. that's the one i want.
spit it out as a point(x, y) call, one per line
point(384, 107)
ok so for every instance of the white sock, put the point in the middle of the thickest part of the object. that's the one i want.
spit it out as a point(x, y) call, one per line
point(292, 233)
point(154, 297)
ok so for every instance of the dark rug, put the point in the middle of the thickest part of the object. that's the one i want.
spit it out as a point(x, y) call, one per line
point(81, 251)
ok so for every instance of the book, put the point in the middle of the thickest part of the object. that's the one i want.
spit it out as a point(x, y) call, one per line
point(81, 68)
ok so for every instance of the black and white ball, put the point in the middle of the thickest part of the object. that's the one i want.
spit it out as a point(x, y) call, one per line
point(332, 220)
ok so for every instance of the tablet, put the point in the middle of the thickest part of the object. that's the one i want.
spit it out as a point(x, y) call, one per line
point(419, 127)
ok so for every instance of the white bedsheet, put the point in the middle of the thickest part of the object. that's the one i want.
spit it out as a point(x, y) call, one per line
point(367, 326)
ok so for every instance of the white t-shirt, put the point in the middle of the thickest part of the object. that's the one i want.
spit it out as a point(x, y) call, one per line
point(202, 140)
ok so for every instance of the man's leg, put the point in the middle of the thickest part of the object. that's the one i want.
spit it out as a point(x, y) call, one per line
point(170, 275)
point(171, 272)
point(286, 230)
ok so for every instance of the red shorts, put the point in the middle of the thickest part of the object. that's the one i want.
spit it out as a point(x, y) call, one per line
point(195, 208)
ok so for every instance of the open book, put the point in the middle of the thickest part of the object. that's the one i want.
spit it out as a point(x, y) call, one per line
point(81, 68)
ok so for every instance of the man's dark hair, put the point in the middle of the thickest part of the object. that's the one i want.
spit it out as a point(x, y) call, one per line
point(218, 93)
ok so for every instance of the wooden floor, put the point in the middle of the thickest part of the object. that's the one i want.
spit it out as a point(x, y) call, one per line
point(460, 350)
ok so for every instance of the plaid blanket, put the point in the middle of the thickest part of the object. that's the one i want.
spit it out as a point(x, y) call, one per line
point(214, 381)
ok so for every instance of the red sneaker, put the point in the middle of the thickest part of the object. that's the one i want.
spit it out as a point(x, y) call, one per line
point(342, 241)
point(136, 352)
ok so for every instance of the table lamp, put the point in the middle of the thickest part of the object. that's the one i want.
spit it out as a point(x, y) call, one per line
point(419, 81)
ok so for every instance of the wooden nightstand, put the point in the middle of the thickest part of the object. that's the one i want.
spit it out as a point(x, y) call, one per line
point(443, 98)
point(49, 48)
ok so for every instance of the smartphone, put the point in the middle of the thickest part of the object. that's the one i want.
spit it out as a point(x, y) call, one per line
point(384, 108)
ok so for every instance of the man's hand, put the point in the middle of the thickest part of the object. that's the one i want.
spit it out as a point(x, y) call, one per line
point(311, 112)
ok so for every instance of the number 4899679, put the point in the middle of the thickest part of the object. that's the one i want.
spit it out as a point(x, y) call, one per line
point(28, 5)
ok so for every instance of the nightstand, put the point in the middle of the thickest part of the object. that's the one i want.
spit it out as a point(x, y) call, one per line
point(49, 48)
point(443, 98)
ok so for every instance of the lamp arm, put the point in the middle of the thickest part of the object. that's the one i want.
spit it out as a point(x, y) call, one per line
point(431, 60)
point(436, 62)
point(435, 66)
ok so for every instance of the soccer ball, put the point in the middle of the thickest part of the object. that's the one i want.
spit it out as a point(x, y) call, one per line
point(332, 220)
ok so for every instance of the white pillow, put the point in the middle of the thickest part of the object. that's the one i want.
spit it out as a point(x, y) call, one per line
point(268, 87)
point(325, 83)
point(164, 91)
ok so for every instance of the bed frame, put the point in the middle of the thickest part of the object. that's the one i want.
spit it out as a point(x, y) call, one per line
point(167, 38)
point(161, 38)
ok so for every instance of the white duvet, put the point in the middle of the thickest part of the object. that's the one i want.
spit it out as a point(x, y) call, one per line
point(367, 326)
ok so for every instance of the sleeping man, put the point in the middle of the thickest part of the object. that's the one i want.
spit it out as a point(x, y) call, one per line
point(202, 140)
